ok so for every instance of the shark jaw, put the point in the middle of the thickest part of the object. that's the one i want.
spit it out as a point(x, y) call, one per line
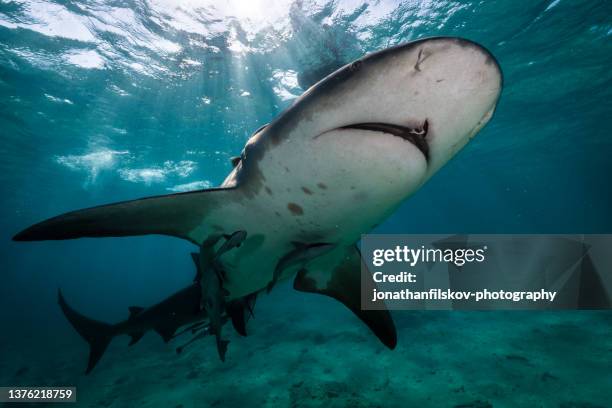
point(331, 167)
point(418, 136)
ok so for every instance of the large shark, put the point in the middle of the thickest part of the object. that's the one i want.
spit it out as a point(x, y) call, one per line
point(331, 167)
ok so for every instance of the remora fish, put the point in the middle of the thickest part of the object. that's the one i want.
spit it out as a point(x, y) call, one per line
point(298, 257)
point(210, 272)
point(238, 309)
point(198, 334)
point(232, 241)
point(165, 318)
point(332, 166)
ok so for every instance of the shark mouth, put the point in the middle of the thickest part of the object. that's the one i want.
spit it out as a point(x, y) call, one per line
point(416, 136)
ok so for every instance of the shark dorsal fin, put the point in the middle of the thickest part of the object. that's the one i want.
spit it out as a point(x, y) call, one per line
point(235, 160)
point(134, 310)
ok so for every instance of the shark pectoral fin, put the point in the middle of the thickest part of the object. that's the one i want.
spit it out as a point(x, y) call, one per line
point(344, 285)
point(173, 214)
point(135, 337)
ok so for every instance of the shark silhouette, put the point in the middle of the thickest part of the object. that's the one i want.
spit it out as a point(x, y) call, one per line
point(182, 308)
point(165, 317)
point(332, 166)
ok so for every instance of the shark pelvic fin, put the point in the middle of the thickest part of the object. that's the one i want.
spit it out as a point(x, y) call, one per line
point(174, 214)
point(344, 285)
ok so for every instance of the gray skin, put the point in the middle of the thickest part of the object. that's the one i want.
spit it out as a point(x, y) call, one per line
point(300, 256)
point(339, 161)
point(179, 309)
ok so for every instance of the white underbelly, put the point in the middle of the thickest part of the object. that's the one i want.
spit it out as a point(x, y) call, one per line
point(325, 193)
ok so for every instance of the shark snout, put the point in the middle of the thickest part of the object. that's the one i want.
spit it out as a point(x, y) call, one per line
point(458, 84)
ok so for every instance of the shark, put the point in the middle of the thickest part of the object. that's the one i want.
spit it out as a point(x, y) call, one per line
point(332, 166)
point(179, 309)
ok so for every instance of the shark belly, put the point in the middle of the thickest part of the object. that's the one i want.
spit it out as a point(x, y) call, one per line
point(316, 191)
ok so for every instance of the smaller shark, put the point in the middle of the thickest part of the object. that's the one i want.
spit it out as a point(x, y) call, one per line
point(165, 317)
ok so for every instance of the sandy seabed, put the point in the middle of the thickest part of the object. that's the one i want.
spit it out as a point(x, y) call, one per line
point(308, 351)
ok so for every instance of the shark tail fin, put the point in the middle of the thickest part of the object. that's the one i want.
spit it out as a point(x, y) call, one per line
point(97, 334)
point(174, 214)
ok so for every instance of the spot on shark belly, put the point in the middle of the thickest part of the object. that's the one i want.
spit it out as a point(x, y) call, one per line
point(295, 209)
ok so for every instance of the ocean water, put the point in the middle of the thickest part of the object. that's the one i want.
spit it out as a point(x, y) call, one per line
point(103, 101)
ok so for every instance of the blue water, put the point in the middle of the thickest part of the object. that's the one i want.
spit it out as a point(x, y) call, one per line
point(103, 101)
